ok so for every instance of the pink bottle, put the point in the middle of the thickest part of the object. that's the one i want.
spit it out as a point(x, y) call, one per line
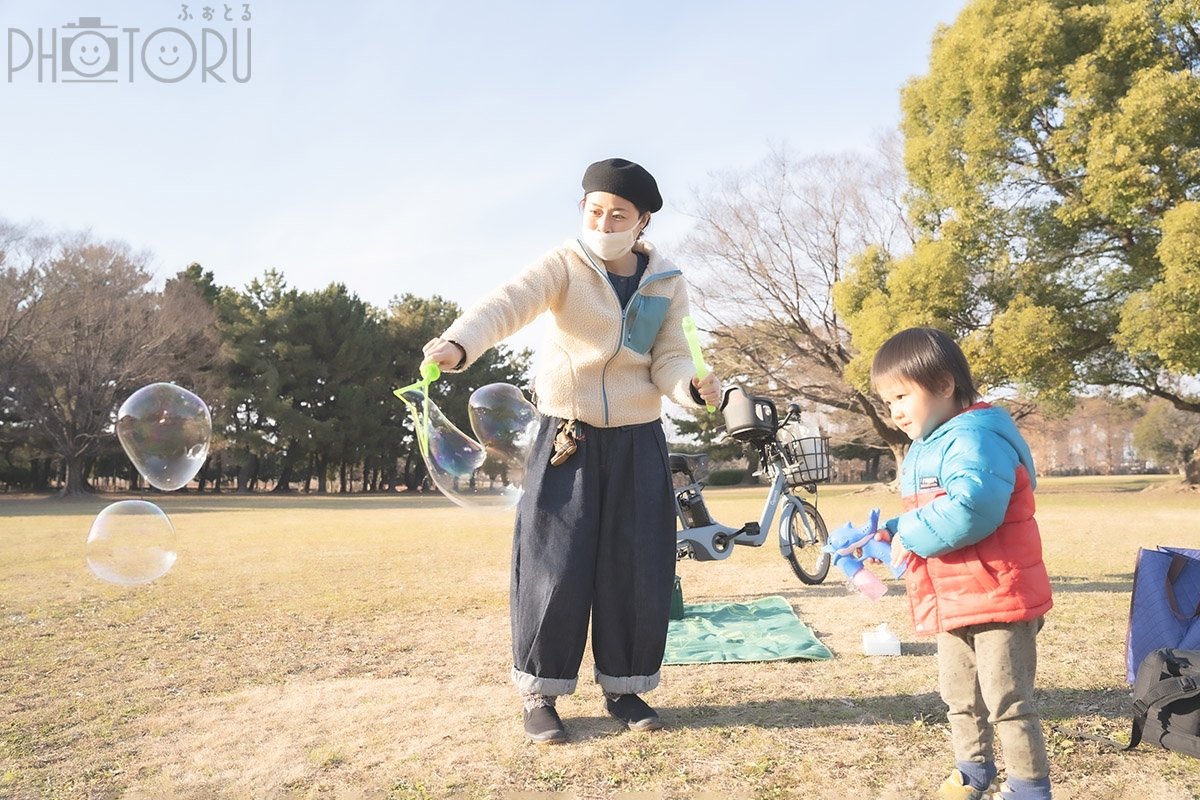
point(869, 584)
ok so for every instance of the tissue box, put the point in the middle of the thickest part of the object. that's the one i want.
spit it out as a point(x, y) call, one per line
point(880, 642)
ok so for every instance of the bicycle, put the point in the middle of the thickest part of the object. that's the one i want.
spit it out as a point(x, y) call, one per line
point(798, 463)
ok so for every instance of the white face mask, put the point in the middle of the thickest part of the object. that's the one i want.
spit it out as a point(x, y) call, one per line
point(610, 246)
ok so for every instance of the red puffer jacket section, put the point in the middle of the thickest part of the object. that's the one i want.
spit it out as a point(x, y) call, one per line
point(999, 579)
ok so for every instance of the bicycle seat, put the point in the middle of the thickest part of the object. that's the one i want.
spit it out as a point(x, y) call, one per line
point(688, 463)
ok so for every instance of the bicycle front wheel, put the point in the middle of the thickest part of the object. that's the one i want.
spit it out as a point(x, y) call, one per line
point(806, 532)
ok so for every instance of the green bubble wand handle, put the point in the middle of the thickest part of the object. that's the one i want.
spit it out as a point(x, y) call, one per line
point(693, 340)
point(430, 372)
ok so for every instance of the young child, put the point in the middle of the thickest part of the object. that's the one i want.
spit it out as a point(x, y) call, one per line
point(975, 575)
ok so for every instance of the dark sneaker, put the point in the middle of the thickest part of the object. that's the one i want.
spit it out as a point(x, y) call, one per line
point(543, 726)
point(633, 711)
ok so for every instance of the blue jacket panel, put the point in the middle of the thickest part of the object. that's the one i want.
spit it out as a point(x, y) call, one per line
point(972, 458)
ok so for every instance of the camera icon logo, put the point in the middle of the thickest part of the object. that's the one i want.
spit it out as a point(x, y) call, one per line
point(90, 52)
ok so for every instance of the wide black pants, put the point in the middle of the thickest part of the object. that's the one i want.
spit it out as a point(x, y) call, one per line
point(594, 536)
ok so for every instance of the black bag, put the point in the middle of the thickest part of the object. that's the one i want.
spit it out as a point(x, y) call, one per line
point(1166, 701)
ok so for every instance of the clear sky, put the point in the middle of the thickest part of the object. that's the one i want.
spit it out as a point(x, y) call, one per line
point(430, 147)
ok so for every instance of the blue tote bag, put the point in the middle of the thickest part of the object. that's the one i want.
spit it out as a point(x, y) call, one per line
point(1164, 610)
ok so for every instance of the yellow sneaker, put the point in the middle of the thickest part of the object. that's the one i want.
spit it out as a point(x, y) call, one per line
point(955, 787)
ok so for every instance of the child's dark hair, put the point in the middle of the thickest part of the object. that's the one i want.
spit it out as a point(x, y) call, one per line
point(929, 358)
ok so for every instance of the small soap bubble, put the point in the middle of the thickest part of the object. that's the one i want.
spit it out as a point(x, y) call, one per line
point(131, 542)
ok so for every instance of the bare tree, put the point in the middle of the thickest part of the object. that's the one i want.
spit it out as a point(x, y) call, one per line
point(23, 252)
point(771, 244)
point(102, 332)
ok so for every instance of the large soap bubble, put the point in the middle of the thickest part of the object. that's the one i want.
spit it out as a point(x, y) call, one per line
point(131, 542)
point(506, 424)
point(472, 474)
point(165, 430)
point(451, 457)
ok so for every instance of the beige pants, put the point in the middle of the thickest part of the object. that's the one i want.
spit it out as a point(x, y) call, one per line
point(986, 677)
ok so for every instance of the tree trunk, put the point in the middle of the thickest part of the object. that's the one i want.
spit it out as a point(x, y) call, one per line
point(76, 484)
point(42, 470)
point(283, 484)
point(871, 473)
point(412, 477)
point(1191, 469)
point(247, 472)
point(322, 469)
point(210, 473)
point(899, 450)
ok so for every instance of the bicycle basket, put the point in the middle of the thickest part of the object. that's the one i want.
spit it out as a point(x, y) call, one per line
point(806, 460)
point(748, 418)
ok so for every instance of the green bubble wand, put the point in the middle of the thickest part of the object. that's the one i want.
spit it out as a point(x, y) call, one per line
point(430, 372)
point(693, 340)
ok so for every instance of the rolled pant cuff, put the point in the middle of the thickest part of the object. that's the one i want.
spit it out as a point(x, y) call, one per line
point(979, 774)
point(551, 687)
point(1038, 789)
point(630, 684)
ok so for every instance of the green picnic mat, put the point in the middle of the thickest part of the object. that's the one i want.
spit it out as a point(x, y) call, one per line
point(764, 630)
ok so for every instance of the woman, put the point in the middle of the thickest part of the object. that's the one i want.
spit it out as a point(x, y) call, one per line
point(595, 527)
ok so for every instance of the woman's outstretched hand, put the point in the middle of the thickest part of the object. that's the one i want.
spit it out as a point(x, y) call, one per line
point(444, 353)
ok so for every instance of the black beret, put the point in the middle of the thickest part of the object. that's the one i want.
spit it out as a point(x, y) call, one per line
point(624, 179)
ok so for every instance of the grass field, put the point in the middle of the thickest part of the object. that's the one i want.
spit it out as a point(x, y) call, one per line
point(359, 647)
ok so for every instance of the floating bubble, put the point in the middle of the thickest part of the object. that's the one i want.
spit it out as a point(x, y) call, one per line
point(451, 457)
point(131, 542)
point(165, 430)
point(469, 473)
point(506, 424)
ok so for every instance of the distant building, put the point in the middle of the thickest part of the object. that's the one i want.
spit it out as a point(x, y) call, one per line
point(1096, 438)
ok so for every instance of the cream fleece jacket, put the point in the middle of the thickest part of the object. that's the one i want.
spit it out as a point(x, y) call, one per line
point(598, 363)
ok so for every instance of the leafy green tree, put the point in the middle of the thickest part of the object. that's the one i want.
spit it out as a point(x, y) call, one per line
point(252, 322)
point(212, 383)
point(1046, 146)
point(1168, 436)
point(326, 359)
point(310, 379)
point(1161, 324)
point(412, 321)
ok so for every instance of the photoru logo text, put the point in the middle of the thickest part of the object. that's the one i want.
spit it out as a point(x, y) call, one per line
point(88, 51)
